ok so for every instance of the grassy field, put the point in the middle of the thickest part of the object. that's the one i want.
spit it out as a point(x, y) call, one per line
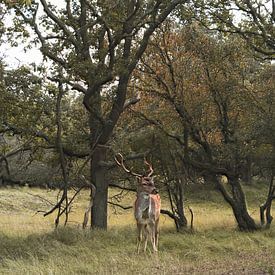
point(30, 245)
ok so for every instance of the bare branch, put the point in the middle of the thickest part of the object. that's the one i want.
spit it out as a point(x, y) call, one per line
point(132, 101)
point(121, 206)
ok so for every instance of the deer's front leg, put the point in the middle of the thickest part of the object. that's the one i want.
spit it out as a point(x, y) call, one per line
point(139, 238)
point(146, 233)
point(153, 237)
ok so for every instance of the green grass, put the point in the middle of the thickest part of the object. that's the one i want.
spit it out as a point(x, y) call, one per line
point(30, 245)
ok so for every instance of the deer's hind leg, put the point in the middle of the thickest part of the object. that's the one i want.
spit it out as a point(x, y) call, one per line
point(157, 234)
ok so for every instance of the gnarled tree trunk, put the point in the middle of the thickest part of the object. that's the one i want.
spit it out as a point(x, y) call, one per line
point(238, 204)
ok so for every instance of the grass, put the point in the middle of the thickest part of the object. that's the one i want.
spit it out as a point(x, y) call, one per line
point(30, 245)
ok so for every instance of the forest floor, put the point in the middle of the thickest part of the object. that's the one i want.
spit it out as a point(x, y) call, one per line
point(30, 245)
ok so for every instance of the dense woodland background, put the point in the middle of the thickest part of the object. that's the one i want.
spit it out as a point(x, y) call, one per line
point(190, 85)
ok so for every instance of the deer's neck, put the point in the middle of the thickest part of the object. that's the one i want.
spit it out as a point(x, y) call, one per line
point(143, 194)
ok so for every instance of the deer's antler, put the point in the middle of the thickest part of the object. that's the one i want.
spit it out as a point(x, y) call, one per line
point(151, 171)
point(121, 164)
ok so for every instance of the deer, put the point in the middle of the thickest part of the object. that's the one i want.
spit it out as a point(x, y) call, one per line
point(146, 207)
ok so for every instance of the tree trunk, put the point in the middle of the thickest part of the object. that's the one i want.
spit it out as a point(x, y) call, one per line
point(247, 171)
point(182, 221)
point(98, 172)
point(244, 220)
point(98, 175)
point(265, 209)
point(238, 204)
point(101, 130)
point(269, 217)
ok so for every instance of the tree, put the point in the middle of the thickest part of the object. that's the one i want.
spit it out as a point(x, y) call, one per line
point(265, 148)
point(202, 77)
point(96, 45)
point(23, 114)
point(252, 20)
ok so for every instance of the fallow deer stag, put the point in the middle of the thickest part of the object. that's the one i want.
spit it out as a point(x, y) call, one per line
point(147, 206)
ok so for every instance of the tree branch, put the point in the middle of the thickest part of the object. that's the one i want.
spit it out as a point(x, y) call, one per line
point(59, 23)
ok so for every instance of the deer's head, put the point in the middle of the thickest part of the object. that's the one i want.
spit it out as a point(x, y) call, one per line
point(145, 182)
point(147, 185)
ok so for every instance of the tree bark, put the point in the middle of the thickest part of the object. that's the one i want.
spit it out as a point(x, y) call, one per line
point(98, 175)
point(244, 220)
point(182, 221)
point(265, 209)
point(238, 204)
point(98, 155)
